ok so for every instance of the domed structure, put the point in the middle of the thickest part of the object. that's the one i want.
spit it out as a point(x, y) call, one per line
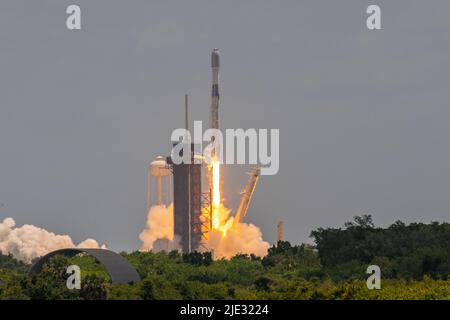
point(159, 168)
point(120, 269)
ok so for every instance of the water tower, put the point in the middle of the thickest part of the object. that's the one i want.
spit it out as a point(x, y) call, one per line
point(158, 183)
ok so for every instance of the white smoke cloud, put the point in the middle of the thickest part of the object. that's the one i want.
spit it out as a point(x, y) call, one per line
point(28, 242)
point(241, 238)
point(158, 232)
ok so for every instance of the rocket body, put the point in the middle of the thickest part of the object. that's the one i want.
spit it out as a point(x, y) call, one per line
point(215, 65)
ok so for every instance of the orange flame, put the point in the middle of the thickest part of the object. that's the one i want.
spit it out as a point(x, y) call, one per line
point(215, 193)
point(220, 214)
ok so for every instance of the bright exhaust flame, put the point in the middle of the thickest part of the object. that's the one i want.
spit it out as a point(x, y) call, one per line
point(220, 214)
point(215, 168)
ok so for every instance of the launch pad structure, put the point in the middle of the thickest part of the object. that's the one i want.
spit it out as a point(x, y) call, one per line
point(187, 203)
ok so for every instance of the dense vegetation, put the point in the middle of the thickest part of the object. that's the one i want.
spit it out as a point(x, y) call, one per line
point(414, 260)
point(402, 251)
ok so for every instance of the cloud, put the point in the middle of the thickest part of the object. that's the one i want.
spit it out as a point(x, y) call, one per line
point(29, 242)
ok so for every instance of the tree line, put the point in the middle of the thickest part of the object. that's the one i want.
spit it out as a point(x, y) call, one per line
point(414, 261)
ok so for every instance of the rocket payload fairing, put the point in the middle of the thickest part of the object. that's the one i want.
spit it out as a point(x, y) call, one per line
point(215, 65)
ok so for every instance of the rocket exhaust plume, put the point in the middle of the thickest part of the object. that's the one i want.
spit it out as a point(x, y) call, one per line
point(216, 198)
point(29, 242)
point(226, 238)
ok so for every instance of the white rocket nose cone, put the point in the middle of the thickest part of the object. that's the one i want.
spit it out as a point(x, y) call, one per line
point(215, 58)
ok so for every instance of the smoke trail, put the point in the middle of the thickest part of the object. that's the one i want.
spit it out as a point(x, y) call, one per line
point(29, 242)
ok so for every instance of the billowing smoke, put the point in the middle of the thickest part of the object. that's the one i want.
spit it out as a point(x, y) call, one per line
point(240, 238)
point(229, 238)
point(158, 233)
point(28, 242)
point(226, 242)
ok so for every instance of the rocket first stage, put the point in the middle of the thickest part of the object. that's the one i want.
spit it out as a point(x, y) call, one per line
point(215, 65)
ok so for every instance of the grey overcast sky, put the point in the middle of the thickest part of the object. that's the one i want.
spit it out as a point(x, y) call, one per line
point(363, 115)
